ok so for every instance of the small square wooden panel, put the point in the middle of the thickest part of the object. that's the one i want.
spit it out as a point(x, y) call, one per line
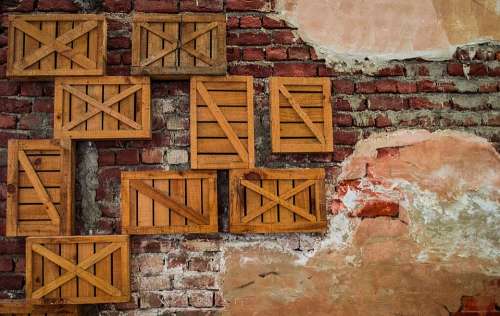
point(22, 308)
point(179, 45)
point(113, 107)
point(77, 270)
point(222, 122)
point(277, 200)
point(158, 202)
point(56, 45)
point(301, 115)
point(40, 185)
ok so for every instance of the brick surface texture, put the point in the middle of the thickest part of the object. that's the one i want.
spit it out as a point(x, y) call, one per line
point(172, 274)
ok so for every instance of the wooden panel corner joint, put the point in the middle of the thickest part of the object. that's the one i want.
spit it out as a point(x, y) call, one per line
point(21, 307)
point(159, 202)
point(56, 45)
point(114, 107)
point(277, 200)
point(301, 115)
point(222, 122)
point(40, 185)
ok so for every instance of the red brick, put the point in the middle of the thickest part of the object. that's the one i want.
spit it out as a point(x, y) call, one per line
point(118, 25)
point(12, 282)
point(117, 70)
point(298, 53)
point(396, 70)
point(114, 58)
point(386, 86)
point(494, 72)
point(233, 22)
point(366, 87)
point(127, 157)
point(20, 265)
point(455, 69)
point(324, 71)
point(31, 121)
point(45, 105)
point(382, 121)
point(117, 5)
point(295, 70)
point(341, 153)
point(423, 71)
point(285, 37)
point(6, 264)
point(31, 89)
point(488, 87)
point(253, 54)
point(126, 58)
point(248, 39)
point(406, 87)
point(3, 40)
point(385, 103)
point(478, 303)
point(106, 158)
point(248, 5)
point(12, 246)
point(276, 53)
point(430, 86)
point(341, 119)
point(9, 88)
point(58, 5)
point(3, 55)
point(201, 5)
point(24, 6)
point(152, 156)
point(343, 86)
point(250, 22)
point(492, 120)
point(233, 53)
point(156, 6)
point(150, 300)
point(342, 137)
point(270, 23)
point(478, 70)
point(201, 299)
point(119, 42)
point(7, 121)
point(378, 208)
point(258, 71)
point(341, 104)
point(5, 136)
point(194, 282)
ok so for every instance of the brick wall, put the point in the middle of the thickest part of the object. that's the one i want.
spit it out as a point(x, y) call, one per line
point(461, 94)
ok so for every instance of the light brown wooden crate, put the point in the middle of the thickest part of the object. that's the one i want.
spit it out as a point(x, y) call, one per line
point(159, 202)
point(22, 308)
point(80, 113)
point(301, 115)
point(222, 136)
point(40, 186)
point(53, 269)
point(52, 45)
point(179, 45)
point(277, 200)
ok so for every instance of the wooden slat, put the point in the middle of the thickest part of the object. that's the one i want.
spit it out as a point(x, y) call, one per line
point(162, 213)
point(145, 205)
point(231, 114)
point(217, 145)
point(23, 307)
point(225, 98)
point(213, 130)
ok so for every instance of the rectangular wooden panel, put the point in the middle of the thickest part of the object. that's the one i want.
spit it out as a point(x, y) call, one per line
point(77, 270)
point(22, 308)
point(40, 185)
point(301, 115)
point(277, 200)
point(112, 107)
point(179, 45)
point(51, 45)
point(222, 122)
point(160, 202)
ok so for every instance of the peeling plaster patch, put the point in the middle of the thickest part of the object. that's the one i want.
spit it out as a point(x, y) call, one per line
point(88, 184)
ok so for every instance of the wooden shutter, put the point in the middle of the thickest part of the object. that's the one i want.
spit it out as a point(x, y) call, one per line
point(222, 133)
point(179, 45)
point(56, 45)
point(102, 108)
point(156, 202)
point(23, 308)
point(77, 270)
point(277, 200)
point(301, 115)
point(40, 187)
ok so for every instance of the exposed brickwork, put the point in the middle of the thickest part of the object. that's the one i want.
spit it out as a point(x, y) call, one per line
point(171, 274)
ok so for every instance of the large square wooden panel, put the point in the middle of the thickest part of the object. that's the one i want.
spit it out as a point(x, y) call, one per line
point(222, 122)
point(277, 200)
point(77, 270)
point(48, 45)
point(114, 107)
point(179, 45)
point(160, 202)
point(22, 308)
point(40, 185)
point(301, 115)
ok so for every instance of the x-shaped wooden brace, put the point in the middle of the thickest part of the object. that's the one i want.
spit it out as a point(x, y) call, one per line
point(102, 107)
point(158, 196)
point(275, 200)
point(302, 114)
point(58, 44)
point(79, 270)
point(39, 188)
point(223, 123)
point(174, 44)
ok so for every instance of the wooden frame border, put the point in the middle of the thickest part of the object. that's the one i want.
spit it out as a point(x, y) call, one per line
point(21, 307)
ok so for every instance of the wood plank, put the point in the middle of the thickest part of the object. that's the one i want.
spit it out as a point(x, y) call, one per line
point(78, 108)
point(218, 145)
point(95, 122)
point(69, 289)
point(185, 58)
point(31, 212)
point(232, 114)
point(103, 269)
point(161, 211)
point(79, 45)
point(51, 271)
point(213, 130)
point(253, 202)
point(289, 115)
point(193, 194)
point(27, 195)
point(110, 123)
point(30, 45)
point(12, 180)
point(178, 194)
point(225, 98)
point(304, 99)
point(63, 27)
point(271, 215)
point(126, 108)
point(49, 61)
point(202, 44)
point(155, 44)
point(286, 216)
point(85, 250)
point(145, 207)
point(173, 30)
point(296, 130)
point(43, 163)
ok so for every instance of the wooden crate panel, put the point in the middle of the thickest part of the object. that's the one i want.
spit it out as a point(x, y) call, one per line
point(222, 122)
point(102, 108)
point(301, 115)
point(277, 200)
point(157, 202)
point(179, 45)
point(77, 270)
point(56, 45)
point(40, 185)
point(23, 308)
